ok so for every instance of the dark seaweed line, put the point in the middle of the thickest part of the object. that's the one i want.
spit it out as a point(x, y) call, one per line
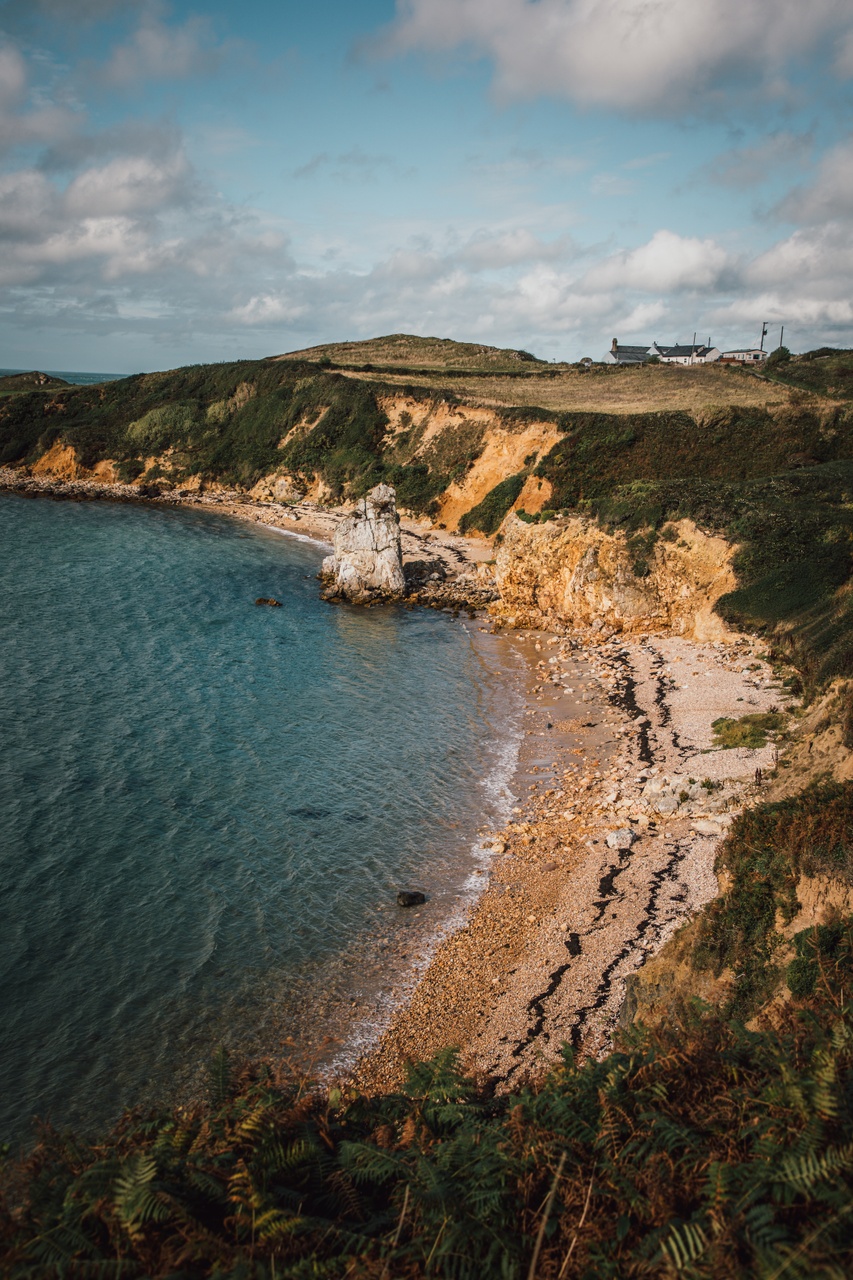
point(536, 1006)
point(623, 698)
point(667, 872)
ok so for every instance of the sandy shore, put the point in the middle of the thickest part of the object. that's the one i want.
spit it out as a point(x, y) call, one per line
point(612, 847)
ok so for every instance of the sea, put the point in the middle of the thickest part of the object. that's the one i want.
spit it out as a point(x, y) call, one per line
point(76, 378)
point(208, 806)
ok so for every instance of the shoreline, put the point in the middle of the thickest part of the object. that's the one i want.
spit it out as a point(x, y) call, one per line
point(461, 562)
point(602, 862)
point(610, 850)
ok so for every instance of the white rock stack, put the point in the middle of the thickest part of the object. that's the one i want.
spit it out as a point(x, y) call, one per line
point(367, 564)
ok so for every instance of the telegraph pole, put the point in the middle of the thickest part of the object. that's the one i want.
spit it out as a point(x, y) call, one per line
point(763, 334)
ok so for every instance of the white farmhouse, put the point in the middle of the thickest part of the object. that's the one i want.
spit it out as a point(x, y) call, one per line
point(621, 354)
point(689, 355)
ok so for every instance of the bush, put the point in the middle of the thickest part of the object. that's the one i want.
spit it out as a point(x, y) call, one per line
point(748, 731)
point(780, 356)
point(697, 1149)
point(488, 515)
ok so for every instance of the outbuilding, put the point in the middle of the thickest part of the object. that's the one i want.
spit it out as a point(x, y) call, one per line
point(746, 355)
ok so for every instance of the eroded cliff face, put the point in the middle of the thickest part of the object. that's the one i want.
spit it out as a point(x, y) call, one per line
point(571, 571)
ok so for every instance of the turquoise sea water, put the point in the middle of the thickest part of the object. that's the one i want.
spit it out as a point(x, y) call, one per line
point(205, 803)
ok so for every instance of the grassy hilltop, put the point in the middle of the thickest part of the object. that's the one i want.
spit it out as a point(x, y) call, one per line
point(716, 1145)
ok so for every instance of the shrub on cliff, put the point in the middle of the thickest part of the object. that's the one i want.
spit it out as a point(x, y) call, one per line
point(699, 1149)
point(488, 515)
point(766, 852)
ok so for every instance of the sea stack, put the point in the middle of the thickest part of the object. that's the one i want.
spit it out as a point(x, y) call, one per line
point(367, 564)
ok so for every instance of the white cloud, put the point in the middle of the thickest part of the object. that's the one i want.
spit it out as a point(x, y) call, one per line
point(129, 184)
point(665, 264)
point(799, 312)
point(659, 55)
point(490, 251)
point(157, 51)
point(28, 206)
point(642, 319)
point(20, 122)
point(844, 56)
point(267, 309)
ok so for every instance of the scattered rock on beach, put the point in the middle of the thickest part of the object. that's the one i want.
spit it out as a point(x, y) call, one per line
point(407, 898)
point(704, 827)
point(621, 839)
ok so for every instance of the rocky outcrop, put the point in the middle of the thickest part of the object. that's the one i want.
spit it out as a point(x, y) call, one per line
point(367, 564)
point(571, 571)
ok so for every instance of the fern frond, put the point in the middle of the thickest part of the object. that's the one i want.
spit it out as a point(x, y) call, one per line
point(684, 1244)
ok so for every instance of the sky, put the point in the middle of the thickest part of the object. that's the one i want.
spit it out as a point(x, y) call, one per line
point(191, 182)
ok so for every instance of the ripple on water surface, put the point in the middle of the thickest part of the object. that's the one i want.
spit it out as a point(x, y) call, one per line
point(204, 802)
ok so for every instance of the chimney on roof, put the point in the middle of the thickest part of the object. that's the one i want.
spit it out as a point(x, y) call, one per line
point(614, 346)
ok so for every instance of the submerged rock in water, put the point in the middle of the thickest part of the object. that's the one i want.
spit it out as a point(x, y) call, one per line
point(405, 898)
point(367, 563)
point(274, 604)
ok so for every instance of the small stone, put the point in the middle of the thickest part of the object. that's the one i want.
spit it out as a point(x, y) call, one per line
point(621, 839)
point(550, 866)
point(705, 827)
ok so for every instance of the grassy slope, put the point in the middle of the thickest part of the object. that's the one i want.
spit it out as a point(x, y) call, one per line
point(228, 423)
point(780, 486)
point(825, 372)
point(605, 389)
point(15, 383)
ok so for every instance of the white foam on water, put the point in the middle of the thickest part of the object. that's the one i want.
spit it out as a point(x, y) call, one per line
point(300, 537)
point(366, 1033)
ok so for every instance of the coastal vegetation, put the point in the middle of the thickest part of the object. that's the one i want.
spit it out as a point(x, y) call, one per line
point(715, 1142)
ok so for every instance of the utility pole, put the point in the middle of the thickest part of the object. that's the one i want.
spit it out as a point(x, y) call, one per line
point(781, 335)
point(763, 334)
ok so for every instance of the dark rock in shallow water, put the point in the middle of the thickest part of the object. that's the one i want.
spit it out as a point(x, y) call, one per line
point(274, 604)
point(406, 899)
